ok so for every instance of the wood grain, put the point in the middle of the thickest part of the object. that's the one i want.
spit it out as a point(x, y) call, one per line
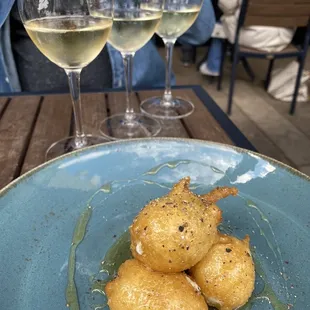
point(170, 128)
point(29, 125)
point(272, 21)
point(201, 124)
point(273, 13)
point(283, 10)
point(53, 124)
point(94, 112)
point(16, 128)
point(117, 102)
point(3, 104)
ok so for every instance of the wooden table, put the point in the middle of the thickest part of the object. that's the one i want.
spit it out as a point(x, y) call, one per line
point(29, 124)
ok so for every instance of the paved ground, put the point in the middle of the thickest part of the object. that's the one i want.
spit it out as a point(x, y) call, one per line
point(264, 120)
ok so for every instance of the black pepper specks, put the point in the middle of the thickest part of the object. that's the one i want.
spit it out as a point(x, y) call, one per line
point(228, 250)
point(181, 228)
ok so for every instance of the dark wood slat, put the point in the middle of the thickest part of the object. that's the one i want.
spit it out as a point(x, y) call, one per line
point(201, 124)
point(3, 104)
point(285, 10)
point(16, 128)
point(286, 14)
point(271, 1)
point(28, 127)
point(276, 22)
point(170, 128)
point(53, 124)
point(282, 2)
point(94, 109)
point(117, 102)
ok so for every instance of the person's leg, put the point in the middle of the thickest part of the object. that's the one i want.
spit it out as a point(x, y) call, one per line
point(213, 63)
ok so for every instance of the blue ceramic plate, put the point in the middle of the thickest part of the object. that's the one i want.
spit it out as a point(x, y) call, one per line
point(39, 211)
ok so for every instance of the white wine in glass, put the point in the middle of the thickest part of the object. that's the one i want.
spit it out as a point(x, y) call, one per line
point(63, 39)
point(174, 23)
point(69, 36)
point(134, 24)
point(178, 17)
point(132, 30)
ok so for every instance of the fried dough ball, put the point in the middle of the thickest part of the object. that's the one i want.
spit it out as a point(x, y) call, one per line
point(138, 287)
point(173, 233)
point(226, 275)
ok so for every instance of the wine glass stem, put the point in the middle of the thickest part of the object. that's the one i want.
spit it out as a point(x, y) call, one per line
point(167, 99)
point(128, 64)
point(74, 76)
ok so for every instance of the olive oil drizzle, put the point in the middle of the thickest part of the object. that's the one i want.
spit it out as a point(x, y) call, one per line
point(78, 236)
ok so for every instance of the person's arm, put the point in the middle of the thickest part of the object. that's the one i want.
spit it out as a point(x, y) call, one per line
point(201, 30)
point(228, 6)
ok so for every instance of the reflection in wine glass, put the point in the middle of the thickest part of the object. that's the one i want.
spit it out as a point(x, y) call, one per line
point(178, 17)
point(135, 22)
point(66, 33)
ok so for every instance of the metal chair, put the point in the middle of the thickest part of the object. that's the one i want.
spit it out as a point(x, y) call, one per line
point(277, 13)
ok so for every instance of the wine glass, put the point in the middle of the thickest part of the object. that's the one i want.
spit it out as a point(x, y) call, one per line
point(68, 35)
point(178, 17)
point(134, 23)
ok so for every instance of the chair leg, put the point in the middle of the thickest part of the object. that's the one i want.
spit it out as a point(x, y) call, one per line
point(232, 81)
point(298, 78)
point(220, 79)
point(248, 68)
point(270, 67)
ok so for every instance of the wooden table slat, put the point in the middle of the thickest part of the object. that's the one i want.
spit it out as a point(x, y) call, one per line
point(16, 128)
point(53, 124)
point(94, 109)
point(3, 105)
point(170, 128)
point(201, 124)
point(30, 124)
point(117, 102)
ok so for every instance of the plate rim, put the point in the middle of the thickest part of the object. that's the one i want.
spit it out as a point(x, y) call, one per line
point(14, 183)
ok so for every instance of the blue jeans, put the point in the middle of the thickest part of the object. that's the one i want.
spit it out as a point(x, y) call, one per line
point(215, 55)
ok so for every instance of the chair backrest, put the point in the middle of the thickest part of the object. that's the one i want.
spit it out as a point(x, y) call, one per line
point(277, 13)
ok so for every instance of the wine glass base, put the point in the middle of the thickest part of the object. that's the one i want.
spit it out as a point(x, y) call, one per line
point(177, 109)
point(67, 145)
point(117, 127)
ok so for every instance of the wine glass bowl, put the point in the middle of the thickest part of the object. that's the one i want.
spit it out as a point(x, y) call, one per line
point(133, 28)
point(178, 17)
point(134, 24)
point(70, 36)
point(63, 39)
